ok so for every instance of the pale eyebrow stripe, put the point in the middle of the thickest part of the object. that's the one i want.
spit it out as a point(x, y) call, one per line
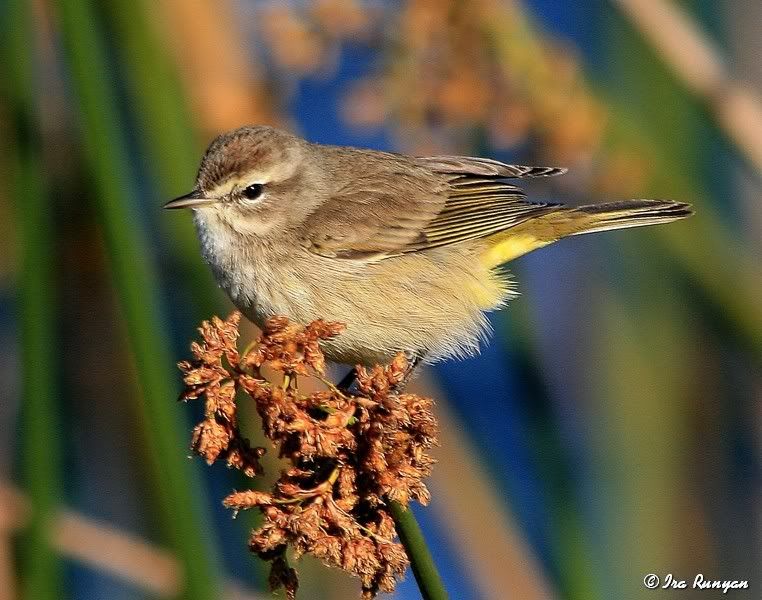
point(278, 172)
point(224, 188)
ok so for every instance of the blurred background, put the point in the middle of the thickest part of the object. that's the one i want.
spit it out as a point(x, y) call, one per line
point(610, 430)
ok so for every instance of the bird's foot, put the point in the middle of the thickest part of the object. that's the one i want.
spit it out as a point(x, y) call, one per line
point(348, 384)
point(413, 360)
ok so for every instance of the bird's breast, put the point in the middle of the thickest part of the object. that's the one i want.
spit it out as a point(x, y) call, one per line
point(260, 279)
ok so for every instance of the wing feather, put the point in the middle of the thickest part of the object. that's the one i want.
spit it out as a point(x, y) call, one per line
point(473, 166)
point(401, 204)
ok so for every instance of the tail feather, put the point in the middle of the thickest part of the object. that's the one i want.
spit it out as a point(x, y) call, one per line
point(630, 213)
point(550, 227)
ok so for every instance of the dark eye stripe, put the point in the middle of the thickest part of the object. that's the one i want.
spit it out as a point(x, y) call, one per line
point(253, 191)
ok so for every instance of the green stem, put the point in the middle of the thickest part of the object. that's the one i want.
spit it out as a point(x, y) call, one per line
point(40, 567)
point(425, 571)
point(168, 134)
point(180, 492)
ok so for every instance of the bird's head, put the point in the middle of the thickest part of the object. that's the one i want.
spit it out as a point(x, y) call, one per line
point(254, 179)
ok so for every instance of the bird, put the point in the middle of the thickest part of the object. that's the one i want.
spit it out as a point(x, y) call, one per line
point(406, 251)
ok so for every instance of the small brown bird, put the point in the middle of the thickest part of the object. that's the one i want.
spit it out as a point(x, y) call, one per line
point(403, 250)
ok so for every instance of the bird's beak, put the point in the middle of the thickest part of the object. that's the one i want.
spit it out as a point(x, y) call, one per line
point(195, 199)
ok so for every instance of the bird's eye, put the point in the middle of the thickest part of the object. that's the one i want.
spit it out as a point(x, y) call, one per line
point(253, 191)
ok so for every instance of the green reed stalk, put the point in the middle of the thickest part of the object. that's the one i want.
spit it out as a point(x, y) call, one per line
point(179, 491)
point(40, 567)
point(425, 571)
point(168, 134)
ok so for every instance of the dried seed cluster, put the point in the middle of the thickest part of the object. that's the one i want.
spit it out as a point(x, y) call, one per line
point(349, 455)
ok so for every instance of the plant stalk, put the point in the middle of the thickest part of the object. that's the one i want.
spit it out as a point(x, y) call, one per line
point(40, 566)
point(425, 571)
point(180, 493)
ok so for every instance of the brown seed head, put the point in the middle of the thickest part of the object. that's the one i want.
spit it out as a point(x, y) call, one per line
point(349, 455)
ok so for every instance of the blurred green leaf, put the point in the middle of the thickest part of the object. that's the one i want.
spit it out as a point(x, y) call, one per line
point(40, 567)
point(655, 115)
point(180, 493)
point(168, 135)
point(640, 393)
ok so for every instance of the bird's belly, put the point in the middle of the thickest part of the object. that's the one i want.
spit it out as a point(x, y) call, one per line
point(393, 306)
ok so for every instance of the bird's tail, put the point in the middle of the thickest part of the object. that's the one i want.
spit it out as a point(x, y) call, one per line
point(630, 213)
point(550, 227)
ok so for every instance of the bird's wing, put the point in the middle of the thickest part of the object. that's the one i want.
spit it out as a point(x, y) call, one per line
point(432, 202)
point(470, 166)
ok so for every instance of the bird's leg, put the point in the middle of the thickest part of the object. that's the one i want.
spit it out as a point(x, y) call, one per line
point(413, 360)
point(348, 381)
